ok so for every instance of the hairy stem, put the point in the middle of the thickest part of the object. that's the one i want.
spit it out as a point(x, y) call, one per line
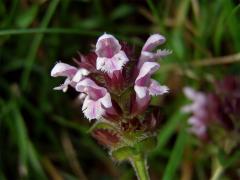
point(139, 163)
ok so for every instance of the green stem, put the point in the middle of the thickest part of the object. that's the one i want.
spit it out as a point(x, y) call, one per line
point(139, 163)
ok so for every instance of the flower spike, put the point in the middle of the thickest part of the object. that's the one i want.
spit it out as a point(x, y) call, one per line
point(116, 91)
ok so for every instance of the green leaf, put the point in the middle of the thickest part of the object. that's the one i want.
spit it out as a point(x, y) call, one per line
point(34, 162)
point(122, 11)
point(176, 156)
point(26, 17)
point(168, 130)
point(234, 158)
point(21, 136)
point(227, 160)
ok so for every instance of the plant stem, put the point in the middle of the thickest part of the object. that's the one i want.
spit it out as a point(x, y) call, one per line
point(139, 163)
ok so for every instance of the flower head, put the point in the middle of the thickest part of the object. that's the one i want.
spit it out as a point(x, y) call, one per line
point(110, 57)
point(216, 110)
point(115, 89)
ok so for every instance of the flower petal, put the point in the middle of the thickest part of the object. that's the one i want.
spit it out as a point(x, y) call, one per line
point(187, 108)
point(85, 84)
point(106, 101)
point(200, 131)
point(162, 53)
point(153, 41)
point(156, 89)
point(92, 109)
point(63, 87)
point(147, 53)
point(141, 91)
point(189, 92)
point(115, 63)
point(81, 97)
point(195, 96)
point(80, 74)
point(194, 121)
point(107, 46)
point(63, 69)
point(89, 87)
point(147, 69)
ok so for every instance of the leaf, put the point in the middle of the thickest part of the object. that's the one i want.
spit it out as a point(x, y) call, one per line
point(168, 130)
point(34, 162)
point(122, 11)
point(176, 156)
point(226, 160)
point(26, 17)
point(21, 136)
point(232, 159)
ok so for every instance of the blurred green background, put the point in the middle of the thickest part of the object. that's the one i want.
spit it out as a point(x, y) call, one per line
point(43, 134)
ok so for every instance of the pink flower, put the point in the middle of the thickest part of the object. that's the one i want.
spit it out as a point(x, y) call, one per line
point(72, 73)
point(145, 86)
point(147, 53)
point(116, 90)
point(109, 67)
point(198, 108)
point(97, 101)
point(199, 102)
point(110, 56)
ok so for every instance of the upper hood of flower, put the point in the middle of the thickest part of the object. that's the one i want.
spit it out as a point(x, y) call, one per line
point(63, 69)
point(107, 46)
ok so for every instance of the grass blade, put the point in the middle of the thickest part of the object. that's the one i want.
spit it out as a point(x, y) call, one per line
point(36, 43)
point(176, 156)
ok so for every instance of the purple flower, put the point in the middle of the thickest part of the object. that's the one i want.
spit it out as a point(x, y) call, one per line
point(198, 108)
point(115, 90)
point(147, 53)
point(97, 100)
point(110, 56)
point(72, 73)
point(145, 86)
point(114, 87)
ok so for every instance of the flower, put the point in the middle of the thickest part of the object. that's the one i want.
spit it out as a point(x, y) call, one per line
point(72, 73)
point(216, 110)
point(145, 86)
point(103, 74)
point(116, 90)
point(110, 56)
point(97, 100)
point(198, 108)
point(147, 53)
